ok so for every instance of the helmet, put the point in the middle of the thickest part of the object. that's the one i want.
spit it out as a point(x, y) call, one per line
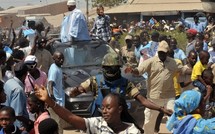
point(111, 59)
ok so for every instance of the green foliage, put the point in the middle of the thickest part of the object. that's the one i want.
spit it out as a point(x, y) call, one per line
point(180, 37)
point(107, 3)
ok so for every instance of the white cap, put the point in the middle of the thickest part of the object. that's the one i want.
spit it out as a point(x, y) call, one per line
point(30, 59)
point(71, 3)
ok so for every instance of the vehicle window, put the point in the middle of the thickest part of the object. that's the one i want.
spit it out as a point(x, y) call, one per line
point(85, 55)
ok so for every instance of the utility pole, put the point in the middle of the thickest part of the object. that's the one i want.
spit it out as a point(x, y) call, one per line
point(87, 11)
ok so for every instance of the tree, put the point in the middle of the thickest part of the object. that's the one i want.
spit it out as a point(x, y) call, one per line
point(108, 3)
point(1, 9)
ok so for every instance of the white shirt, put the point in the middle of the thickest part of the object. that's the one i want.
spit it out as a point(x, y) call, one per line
point(97, 125)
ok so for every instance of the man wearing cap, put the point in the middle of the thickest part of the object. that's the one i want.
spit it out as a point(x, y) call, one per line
point(191, 34)
point(160, 90)
point(34, 76)
point(74, 26)
point(127, 51)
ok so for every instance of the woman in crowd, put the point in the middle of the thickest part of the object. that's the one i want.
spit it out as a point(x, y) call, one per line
point(187, 116)
point(115, 117)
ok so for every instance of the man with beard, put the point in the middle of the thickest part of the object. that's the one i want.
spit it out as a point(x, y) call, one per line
point(101, 27)
point(111, 81)
point(74, 26)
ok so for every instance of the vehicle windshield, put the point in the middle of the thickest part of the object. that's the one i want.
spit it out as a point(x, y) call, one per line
point(87, 54)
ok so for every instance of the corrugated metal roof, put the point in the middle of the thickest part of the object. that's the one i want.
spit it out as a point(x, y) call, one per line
point(16, 9)
point(138, 6)
point(164, 1)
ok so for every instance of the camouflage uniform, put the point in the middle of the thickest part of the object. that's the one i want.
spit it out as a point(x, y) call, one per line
point(98, 85)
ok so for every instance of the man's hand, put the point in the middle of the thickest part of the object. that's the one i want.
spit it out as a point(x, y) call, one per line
point(76, 91)
point(41, 93)
point(128, 70)
point(166, 111)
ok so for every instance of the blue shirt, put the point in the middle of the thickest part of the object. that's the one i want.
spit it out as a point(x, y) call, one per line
point(74, 26)
point(200, 26)
point(153, 48)
point(16, 97)
point(212, 56)
point(205, 46)
point(137, 52)
point(56, 76)
point(179, 54)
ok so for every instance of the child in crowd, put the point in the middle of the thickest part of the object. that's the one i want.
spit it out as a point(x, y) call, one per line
point(7, 119)
point(198, 68)
point(48, 126)
point(185, 79)
point(208, 76)
point(38, 107)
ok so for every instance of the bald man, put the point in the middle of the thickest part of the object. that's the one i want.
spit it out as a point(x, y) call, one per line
point(55, 86)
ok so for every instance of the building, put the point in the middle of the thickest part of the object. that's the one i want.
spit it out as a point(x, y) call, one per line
point(136, 10)
point(18, 14)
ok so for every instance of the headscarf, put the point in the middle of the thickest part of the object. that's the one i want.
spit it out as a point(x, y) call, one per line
point(187, 103)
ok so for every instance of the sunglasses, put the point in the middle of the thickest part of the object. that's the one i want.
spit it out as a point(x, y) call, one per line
point(31, 66)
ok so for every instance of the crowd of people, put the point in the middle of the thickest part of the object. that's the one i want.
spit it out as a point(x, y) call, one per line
point(180, 83)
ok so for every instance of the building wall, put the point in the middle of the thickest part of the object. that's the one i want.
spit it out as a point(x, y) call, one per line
point(5, 21)
point(52, 9)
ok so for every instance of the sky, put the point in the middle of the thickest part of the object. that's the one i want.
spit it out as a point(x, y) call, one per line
point(7, 3)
